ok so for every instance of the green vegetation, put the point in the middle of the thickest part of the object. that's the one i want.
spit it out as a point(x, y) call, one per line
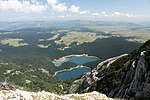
point(31, 78)
point(146, 47)
point(116, 73)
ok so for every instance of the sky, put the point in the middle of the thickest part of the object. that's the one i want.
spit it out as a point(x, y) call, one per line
point(104, 10)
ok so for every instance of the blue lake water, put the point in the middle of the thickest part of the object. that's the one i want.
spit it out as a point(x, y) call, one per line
point(81, 59)
point(73, 73)
point(77, 59)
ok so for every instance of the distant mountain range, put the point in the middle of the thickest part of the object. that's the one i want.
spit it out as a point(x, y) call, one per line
point(73, 23)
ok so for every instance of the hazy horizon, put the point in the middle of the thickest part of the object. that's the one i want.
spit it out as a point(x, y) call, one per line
point(65, 20)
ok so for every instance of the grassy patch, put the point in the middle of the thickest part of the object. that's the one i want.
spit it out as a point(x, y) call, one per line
point(13, 42)
point(78, 38)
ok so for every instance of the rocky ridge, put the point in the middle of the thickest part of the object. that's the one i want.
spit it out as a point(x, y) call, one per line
point(6, 86)
point(125, 76)
point(43, 95)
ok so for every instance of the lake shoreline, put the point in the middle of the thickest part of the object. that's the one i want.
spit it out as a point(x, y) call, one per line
point(79, 66)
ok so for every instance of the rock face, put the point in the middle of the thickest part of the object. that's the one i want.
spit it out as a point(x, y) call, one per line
point(123, 77)
point(25, 95)
point(6, 86)
point(135, 82)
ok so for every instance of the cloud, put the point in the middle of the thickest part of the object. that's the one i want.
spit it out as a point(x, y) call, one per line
point(118, 14)
point(60, 7)
point(74, 8)
point(103, 13)
point(56, 6)
point(114, 14)
point(95, 14)
point(52, 2)
point(84, 12)
point(24, 6)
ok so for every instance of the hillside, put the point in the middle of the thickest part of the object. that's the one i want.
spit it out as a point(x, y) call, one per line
point(125, 76)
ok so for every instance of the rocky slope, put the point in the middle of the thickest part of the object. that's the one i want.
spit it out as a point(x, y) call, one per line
point(9, 92)
point(125, 76)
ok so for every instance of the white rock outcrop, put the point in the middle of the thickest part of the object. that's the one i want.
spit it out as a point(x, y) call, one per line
point(43, 95)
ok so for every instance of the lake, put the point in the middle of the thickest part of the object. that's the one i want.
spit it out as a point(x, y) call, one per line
point(77, 59)
point(72, 73)
point(76, 71)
